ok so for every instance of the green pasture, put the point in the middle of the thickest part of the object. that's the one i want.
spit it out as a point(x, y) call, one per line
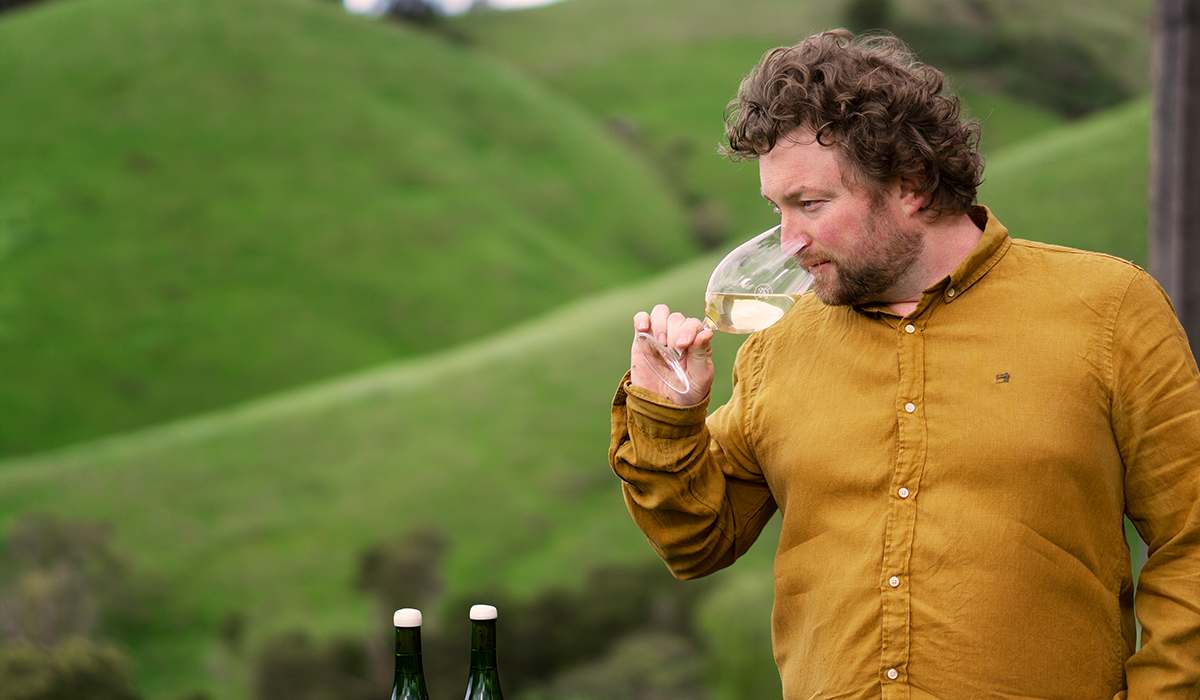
point(659, 74)
point(262, 509)
point(204, 201)
point(566, 37)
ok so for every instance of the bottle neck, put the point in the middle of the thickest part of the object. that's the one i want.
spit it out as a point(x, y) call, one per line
point(408, 650)
point(483, 658)
point(483, 644)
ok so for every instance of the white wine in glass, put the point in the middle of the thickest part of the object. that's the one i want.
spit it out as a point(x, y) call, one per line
point(750, 289)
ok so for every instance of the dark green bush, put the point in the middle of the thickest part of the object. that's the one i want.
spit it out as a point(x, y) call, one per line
point(865, 15)
point(63, 578)
point(1051, 71)
point(562, 630)
point(403, 572)
point(76, 669)
point(294, 667)
point(644, 666)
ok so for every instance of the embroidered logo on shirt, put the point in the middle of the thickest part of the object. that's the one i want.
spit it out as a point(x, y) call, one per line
point(1002, 378)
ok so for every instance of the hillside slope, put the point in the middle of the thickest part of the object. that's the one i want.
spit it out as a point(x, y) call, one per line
point(1084, 186)
point(202, 201)
point(660, 73)
point(574, 35)
point(501, 445)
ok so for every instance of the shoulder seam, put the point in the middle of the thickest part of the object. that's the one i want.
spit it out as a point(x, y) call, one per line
point(1055, 248)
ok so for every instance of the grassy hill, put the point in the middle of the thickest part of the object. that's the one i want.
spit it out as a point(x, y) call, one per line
point(575, 35)
point(203, 201)
point(660, 73)
point(1084, 186)
point(262, 509)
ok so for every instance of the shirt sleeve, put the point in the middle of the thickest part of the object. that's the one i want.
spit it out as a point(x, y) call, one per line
point(699, 504)
point(1156, 421)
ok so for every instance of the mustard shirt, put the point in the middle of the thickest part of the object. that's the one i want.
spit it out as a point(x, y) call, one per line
point(952, 483)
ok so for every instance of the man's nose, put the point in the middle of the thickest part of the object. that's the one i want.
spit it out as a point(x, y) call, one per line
point(792, 239)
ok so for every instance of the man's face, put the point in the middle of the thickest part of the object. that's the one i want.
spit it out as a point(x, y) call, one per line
point(857, 244)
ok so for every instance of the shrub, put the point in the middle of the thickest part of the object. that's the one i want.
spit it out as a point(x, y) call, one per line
point(77, 669)
point(62, 578)
point(645, 666)
point(403, 572)
point(864, 15)
point(294, 667)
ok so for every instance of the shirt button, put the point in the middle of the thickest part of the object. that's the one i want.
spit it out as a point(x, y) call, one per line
point(894, 581)
point(893, 674)
point(910, 407)
point(950, 292)
point(910, 328)
point(903, 492)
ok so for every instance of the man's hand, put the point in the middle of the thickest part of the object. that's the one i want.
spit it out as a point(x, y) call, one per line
point(694, 344)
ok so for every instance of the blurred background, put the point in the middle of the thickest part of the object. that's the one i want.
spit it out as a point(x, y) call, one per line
point(311, 311)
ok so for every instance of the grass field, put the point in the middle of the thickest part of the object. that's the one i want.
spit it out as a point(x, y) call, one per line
point(206, 201)
point(660, 74)
point(561, 39)
point(262, 509)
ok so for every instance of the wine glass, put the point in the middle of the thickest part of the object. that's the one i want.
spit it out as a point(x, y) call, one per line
point(750, 289)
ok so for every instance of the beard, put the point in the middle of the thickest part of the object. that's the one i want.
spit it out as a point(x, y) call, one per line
point(889, 253)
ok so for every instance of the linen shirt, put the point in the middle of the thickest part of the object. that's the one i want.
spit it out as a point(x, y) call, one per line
point(952, 483)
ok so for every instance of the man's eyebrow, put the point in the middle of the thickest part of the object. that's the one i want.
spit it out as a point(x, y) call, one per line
point(800, 192)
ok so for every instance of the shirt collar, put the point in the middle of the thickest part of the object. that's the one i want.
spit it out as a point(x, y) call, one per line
point(991, 247)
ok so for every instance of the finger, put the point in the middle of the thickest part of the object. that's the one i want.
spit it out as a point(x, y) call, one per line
point(658, 322)
point(641, 322)
point(689, 332)
point(674, 322)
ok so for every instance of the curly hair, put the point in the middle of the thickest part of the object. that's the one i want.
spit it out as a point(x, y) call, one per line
point(871, 99)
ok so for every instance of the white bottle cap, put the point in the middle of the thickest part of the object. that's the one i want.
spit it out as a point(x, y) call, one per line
point(407, 617)
point(483, 612)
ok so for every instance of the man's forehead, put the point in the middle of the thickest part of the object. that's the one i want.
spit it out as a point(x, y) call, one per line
point(798, 166)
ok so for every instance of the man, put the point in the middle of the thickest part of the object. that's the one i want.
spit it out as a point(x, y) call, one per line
point(952, 427)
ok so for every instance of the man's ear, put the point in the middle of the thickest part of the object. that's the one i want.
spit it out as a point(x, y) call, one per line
point(911, 201)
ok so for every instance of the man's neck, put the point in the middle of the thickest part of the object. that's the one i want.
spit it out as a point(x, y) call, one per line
point(948, 241)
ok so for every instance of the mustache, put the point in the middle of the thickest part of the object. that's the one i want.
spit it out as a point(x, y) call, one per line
point(804, 255)
point(810, 258)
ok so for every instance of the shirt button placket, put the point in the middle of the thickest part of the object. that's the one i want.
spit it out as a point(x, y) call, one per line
point(910, 454)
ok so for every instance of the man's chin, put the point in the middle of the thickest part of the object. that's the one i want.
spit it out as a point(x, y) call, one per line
point(831, 300)
point(828, 291)
point(837, 295)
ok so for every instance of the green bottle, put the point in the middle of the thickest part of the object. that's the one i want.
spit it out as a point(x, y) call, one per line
point(410, 677)
point(483, 682)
